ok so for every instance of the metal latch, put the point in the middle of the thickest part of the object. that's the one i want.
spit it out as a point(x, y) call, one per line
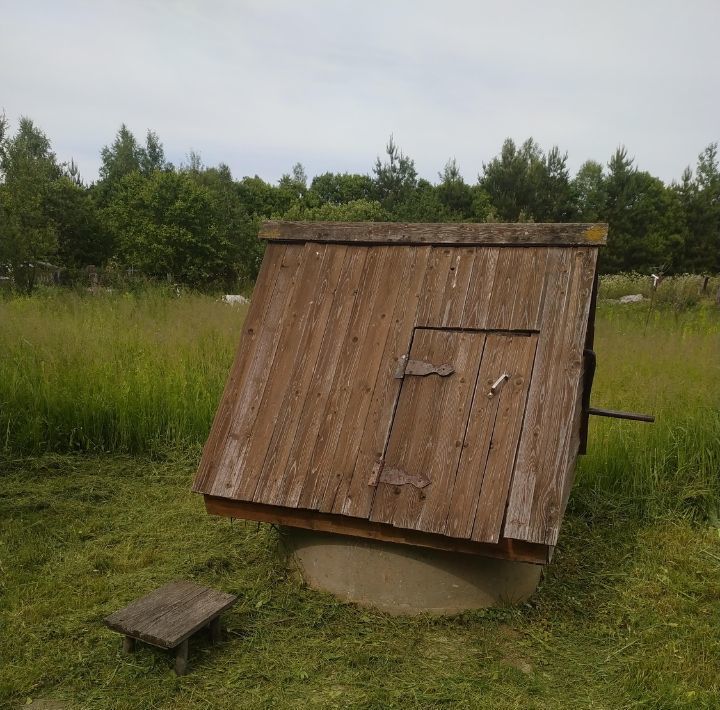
point(420, 368)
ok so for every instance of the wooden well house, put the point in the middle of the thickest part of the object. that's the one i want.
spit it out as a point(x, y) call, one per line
point(413, 383)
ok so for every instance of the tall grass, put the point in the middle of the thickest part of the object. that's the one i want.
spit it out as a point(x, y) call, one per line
point(666, 363)
point(126, 372)
point(143, 373)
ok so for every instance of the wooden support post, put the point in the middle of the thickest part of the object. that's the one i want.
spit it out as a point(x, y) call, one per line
point(215, 630)
point(181, 658)
point(128, 644)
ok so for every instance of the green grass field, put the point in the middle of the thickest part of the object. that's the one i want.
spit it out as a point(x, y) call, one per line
point(104, 404)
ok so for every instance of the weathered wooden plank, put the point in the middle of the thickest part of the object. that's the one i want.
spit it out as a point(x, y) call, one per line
point(169, 615)
point(537, 415)
point(518, 357)
point(358, 499)
point(254, 320)
point(448, 309)
point(449, 272)
point(363, 417)
point(321, 460)
point(150, 605)
point(271, 484)
point(369, 358)
point(183, 620)
point(536, 489)
point(464, 492)
point(480, 288)
point(432, 293)
point(433, 289)
point(452, 422)
point(574, 449)
point(544, 523)
point(527, 306)
point(517, 289)
point(444, 233)
point(568, 475)
point(343, 525)
point(411, 423)
point(279, 370)
point(298, 471)
point(505, 289)
point(428, 427)
point(251, 386)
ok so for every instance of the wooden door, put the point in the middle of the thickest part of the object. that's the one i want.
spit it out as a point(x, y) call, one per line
point(459, 412)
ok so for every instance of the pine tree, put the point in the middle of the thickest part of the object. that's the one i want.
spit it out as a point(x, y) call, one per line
point(454, 193)
point(396, 178)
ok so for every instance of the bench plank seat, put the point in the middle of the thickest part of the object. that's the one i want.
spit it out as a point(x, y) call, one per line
point(170, 615)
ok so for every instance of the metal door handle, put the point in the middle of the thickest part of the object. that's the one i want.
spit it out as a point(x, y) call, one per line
point(497, 385)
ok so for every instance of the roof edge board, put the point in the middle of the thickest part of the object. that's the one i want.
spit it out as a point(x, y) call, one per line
point(506, 548)
point(460, 233)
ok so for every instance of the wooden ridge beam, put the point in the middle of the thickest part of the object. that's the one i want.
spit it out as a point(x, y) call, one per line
point(463, 233)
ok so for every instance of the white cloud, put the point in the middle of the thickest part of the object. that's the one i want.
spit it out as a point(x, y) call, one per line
point(261, 85)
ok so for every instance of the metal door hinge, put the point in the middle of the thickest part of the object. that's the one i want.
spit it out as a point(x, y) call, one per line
point(396, 477)
point(420, 368)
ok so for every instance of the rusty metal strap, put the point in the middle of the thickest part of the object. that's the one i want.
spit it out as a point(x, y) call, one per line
point(420, 368)
point(396, 477)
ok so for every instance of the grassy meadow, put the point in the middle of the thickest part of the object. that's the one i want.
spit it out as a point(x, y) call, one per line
point(132, 373)
point(104, 404)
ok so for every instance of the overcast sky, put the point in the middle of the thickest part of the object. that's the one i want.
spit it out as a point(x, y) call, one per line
point(260, 85)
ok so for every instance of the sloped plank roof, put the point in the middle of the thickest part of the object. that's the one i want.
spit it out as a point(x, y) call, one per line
point(309, 407)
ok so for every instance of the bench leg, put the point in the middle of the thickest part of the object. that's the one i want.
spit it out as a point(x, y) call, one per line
point(128, 644)
point(215, 630)
point(181, 658)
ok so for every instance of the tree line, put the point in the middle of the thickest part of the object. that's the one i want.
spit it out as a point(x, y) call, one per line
point(198, 225)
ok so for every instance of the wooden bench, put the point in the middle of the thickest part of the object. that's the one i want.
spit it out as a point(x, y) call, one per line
point(168, 617)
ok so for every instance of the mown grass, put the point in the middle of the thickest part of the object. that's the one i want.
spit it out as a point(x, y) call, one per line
point(626, 616)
